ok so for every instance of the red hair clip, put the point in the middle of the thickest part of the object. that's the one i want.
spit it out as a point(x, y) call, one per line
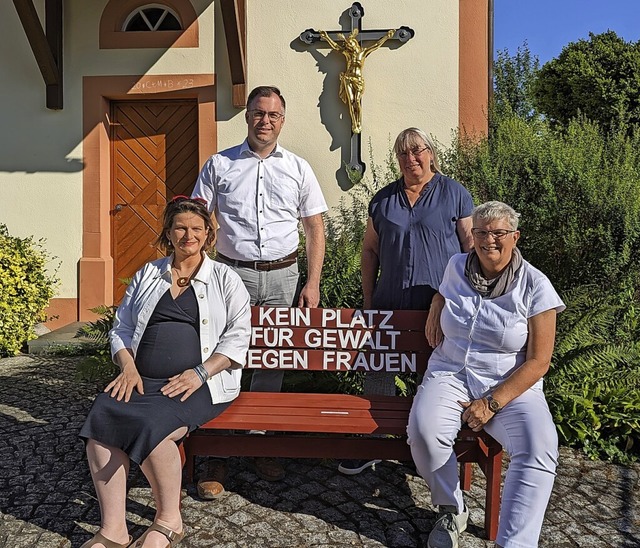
point(181, 197)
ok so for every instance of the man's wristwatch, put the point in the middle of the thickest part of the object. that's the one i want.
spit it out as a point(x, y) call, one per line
point(494, 405)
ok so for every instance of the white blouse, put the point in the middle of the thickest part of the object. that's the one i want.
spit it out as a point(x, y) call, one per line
point(487, 338)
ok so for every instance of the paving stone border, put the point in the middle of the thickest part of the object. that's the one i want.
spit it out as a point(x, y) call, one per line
point(47, 499)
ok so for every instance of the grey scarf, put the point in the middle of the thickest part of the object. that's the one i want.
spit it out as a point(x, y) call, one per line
point(490, 289)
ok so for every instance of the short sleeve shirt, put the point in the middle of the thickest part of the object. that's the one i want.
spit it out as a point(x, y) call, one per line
point(415, 243)
point(258, 202)
point(487, 338)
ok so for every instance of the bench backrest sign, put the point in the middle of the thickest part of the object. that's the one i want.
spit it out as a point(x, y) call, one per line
point(338, 339)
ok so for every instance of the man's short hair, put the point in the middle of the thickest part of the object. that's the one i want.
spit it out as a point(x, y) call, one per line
point(266, 91)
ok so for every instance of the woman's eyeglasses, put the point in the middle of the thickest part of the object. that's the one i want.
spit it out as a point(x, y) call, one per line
point(497, 234)
point(415, 152)
point(181, 197)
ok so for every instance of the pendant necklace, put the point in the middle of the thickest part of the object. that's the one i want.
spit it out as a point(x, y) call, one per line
point(183, 281)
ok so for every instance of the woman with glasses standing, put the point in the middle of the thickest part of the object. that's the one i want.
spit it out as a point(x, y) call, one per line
point(492, 324)
point(180, 338)
point(415, 225)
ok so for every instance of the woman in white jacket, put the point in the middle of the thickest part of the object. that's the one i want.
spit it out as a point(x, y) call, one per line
point(180, 338)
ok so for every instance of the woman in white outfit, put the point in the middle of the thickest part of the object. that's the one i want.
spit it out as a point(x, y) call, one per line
point(493, 328)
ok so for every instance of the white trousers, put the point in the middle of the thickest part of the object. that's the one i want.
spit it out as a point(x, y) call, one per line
point(525, 430)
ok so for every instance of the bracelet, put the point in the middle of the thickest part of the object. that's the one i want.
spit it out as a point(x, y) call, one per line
point(201, 372)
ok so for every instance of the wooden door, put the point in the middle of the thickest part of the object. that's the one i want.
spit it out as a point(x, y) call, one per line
point(154, 157)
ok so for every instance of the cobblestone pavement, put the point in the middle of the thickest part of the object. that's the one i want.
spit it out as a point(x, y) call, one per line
point(47, 499)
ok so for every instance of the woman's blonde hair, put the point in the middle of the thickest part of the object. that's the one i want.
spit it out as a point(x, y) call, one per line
point(413, 137)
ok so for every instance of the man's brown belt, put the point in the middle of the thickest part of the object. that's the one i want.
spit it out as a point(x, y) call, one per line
point(261, 265)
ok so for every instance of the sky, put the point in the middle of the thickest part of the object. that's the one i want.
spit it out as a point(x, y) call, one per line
point(549, 25)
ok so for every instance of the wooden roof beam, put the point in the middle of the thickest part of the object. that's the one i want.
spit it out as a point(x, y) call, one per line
point(46, 47)
point(235, 30)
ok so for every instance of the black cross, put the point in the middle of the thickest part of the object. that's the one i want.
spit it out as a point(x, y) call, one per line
point(356, 12)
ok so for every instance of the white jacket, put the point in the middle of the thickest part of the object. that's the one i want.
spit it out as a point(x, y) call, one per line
point(224, 312)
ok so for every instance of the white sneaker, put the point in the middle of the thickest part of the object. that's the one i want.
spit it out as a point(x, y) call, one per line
point(353, 467)
point(447, 529)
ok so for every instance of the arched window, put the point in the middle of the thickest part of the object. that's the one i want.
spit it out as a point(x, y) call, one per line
point(140, 24)
point(152, 17)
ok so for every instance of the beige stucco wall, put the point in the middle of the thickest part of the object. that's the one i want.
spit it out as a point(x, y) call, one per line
point(415, 84)
point(42, 151)
point(41, 161)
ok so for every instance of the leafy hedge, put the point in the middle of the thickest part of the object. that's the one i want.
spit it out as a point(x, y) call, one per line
point(577, 187)
point(25, 290)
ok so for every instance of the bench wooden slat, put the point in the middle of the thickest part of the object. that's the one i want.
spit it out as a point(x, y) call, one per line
point(315, 413)
point(265, 316)
point(340, 338)
point(296, 446)
point(321, 417)
point(225, 444)
point(349, 425)
point(298, 359)
point(313, 400)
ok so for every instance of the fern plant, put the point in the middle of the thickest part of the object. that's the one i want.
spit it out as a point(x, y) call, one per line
point(593, 386)
point(98, 330)
point(98, 364)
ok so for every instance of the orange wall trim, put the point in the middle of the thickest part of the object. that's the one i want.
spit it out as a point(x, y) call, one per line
point(61, 312)
point(474, 67)
point(96, 264)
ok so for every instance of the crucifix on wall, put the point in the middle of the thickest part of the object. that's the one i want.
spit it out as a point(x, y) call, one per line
point(352, 79)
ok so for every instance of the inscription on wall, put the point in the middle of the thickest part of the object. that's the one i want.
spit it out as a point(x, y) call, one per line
point(158, 84)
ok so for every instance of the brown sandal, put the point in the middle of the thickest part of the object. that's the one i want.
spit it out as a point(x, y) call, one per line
point(173, 537)
point(99, 538)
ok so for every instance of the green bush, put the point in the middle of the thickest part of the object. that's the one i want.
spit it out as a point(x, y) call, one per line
point(593, 386)
point(578, 191)
point(25, 290)
point(577, 187)
point(341, 281)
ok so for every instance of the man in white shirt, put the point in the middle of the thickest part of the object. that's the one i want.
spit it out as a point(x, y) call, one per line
point(259, 192)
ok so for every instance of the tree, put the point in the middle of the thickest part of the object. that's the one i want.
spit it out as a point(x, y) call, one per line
point(513, 78)
point(598, 77)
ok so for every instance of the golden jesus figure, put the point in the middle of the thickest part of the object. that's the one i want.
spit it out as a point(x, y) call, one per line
point(352, 79)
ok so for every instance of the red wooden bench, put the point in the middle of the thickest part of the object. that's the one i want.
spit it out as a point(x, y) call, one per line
point(338, 426)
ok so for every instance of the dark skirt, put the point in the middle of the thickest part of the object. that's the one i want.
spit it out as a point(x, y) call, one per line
point(169, 346)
